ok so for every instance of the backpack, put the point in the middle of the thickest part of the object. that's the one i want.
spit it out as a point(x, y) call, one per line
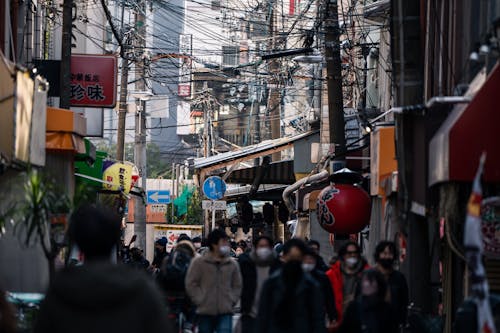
point(174, 270)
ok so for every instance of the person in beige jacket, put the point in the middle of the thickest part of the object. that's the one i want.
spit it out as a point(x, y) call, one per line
point(213, 282)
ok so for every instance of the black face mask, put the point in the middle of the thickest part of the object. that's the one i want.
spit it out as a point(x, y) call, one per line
point(386, 263)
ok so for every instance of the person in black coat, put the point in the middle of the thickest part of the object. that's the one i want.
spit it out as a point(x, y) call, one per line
point(369, 312)
point(309, 265)
point(320, 263)
point(99, 296)
point(291, 300)
point(255, 266)
point(397, 294)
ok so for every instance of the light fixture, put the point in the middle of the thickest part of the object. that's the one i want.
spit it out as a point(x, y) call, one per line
point(368, 127)
point(474, 56)
point(484, 49)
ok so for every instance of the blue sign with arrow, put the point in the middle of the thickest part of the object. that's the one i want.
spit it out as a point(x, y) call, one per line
point(214, 188)
point(158, 197)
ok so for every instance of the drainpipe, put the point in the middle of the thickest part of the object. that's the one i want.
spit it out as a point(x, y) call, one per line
point(447, 100)
point(324, 174)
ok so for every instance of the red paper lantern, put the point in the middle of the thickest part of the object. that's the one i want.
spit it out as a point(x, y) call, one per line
point(343, 209)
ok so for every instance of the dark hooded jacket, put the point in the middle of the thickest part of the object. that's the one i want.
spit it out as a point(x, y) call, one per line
point(248, 267)
point(100, 297)
point(292, 311)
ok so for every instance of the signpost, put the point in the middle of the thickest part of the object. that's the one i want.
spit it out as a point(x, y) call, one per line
point(159, 197)
point(214, 189)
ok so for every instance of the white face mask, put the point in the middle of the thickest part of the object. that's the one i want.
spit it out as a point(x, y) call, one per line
point(197, 245)
point(263, 253)
point(307, 267)
point(351, 262)
point(225, 250)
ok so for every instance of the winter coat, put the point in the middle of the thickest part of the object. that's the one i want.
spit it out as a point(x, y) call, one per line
point(249, 275)
point(213, 284)
point(336, 278)
point(327, 292)
point(398, 289)
point(100, 297)
point(306, 315)
point(363, 317)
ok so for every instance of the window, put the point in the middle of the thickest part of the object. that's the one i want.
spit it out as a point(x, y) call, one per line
point(230, 55)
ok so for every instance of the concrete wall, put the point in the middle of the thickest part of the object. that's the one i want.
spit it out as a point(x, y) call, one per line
point(22, 269)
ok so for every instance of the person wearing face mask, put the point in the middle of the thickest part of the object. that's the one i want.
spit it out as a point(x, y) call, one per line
point(291, 300)
point(345, 274)
point(397, 291)
point(213, 283)
point(310, 266)
point(255, 267)
point(370, 313)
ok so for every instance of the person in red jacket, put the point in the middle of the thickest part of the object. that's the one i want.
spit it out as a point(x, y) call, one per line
point(345, 275)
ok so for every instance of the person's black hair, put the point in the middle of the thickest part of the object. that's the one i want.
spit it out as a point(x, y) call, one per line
point(183, 237)
point(382, 246)
point(310, 252)
point(313, 242)
point(258, 239)
point(343, 249)
point(95, 230)
point(196, 240)
point(374, 275)
point(294, 242)
point(214, 237)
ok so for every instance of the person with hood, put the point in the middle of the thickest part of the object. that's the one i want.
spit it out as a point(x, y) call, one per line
point(213, 283)
point(160, 252)
point(397, 291)
point(256, 266)
point(370, 313)
point(99, 296)
point(310, 265)
point(345, 275)
point(291, 300)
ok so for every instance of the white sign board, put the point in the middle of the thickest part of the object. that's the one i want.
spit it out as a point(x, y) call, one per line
point(172, 233)
point(216, 205)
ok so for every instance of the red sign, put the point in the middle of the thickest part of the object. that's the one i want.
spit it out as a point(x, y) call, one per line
point(184, 90)
point(93, 80)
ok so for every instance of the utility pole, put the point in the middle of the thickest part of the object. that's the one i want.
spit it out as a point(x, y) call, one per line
point(140, 128)
point(65, 76)
point(122, 111)
point(274, 101)
point(334, 83)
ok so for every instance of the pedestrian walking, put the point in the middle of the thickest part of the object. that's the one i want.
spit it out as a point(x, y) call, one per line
point(310, 265)
point(99, 296)
point(172, 278)
point(397, 291)
point(291, 300)
point(160, 252)
point(370, 313)
point(320, 262)
point(345, 275)
point(256, 266)
point(213, 282)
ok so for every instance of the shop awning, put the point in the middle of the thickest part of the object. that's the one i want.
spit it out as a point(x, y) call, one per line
point(207, 164)
point(468, 131)
point(277, 173)
point(65, 130)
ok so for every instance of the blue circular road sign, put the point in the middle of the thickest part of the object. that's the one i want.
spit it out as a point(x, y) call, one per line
point(214, 188)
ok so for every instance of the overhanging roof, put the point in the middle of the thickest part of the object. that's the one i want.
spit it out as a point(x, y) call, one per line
point(207, 164)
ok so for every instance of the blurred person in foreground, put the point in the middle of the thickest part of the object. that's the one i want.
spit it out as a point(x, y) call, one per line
point(370, 313)
point(256, 267)
point(310, 265)
point(213, 283)
point(99, 296)
point(291, 300)
point(397, 291)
